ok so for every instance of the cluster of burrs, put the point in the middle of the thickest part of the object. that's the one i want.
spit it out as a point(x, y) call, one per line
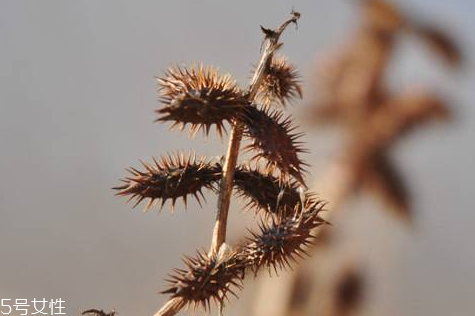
point(271, 182)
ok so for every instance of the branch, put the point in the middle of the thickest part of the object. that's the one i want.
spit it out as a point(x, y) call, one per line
point(271, 44)
point(172, 307)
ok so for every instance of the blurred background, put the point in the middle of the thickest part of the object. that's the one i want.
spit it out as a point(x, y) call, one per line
point(77, 93)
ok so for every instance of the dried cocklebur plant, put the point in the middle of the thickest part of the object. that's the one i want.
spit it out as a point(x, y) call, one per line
point(272, 182)
point(358, 99)
point(354, 95)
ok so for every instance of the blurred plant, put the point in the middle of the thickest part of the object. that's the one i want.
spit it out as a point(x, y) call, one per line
point(348, 292)
point(355, 96)
point(352, 93)
point(202, 97)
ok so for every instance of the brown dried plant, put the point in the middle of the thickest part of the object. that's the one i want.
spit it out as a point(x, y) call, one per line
point(202, 97)
point(353, 94)
point(349, 292)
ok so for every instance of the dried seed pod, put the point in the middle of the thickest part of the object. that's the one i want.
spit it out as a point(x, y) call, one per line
point(207, 278)
point(284, 238)
point(274, 140)
point(199, 96)
point(169, 179)
point(280, 84)
point(265, 191)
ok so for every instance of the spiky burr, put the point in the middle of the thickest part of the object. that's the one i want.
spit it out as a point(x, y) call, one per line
point(170, 178)
point(199, 96)
point(266, 192)
point(281, 83)
point(207, 278)
point(284, 238)
point(274, 139)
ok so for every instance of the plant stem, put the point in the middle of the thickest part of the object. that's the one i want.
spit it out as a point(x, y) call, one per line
point(271, 42)
point(172, 307)
point(226, 186)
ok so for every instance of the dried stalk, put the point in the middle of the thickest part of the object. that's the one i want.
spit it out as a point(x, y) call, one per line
point(226, 187)
point(171, 307)
point(271, 42)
